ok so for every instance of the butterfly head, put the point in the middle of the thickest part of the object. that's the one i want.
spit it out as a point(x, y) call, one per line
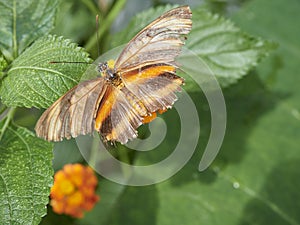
point(109, 65)
point(107, 69)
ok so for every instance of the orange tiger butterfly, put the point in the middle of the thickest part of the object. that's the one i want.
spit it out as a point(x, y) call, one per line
point(131, 89)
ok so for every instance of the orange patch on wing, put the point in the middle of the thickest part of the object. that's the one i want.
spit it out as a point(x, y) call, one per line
point(105, 108)
point(148, 72)
point(149, 118)
point(161, 111)
point(152, 116)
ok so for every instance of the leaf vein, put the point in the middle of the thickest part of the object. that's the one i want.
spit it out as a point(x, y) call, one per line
point(43, 69)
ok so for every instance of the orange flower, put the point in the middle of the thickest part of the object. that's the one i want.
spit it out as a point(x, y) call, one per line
point(73, 191)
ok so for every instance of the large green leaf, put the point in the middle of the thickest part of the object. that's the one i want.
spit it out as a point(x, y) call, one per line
point(229, 52)
point(22, 22)
point(26, 176)
point(33, 80)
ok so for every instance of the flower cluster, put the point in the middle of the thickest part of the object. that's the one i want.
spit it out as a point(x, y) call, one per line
point(73, 191)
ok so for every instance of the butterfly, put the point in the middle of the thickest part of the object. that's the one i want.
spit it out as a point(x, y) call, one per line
point(130, 90)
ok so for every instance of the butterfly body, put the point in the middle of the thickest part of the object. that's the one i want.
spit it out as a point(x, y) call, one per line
point(107, 71)
point(129, 91)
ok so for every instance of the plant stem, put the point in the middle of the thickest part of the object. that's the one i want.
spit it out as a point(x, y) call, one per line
point(91, 6)
point(2, 109)
point(105, 24)
point(8, 117)
point(15, 44)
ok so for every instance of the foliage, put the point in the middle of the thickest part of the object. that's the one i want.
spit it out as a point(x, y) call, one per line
point(32, 81)
point(22, 23)
point(253, 181)
point(26, 176)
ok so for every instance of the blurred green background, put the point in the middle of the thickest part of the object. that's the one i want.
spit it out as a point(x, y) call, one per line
point(256, 177)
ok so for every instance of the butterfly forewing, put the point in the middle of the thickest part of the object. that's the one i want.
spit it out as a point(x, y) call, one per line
point(159, 42)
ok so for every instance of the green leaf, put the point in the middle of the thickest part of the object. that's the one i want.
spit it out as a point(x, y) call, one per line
point(228, 52)
point(26, 176)
point(33, 80)
point(22, 22)
point(109, 193)
point(137, 23)
point(65, 152)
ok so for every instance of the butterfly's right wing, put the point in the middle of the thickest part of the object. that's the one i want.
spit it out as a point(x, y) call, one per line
point(117, 117)
point(154, 86)
point(159, 42)
point(74, 113)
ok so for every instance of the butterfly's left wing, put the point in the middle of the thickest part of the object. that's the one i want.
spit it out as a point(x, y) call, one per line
point(159, 42)
point(73, 113)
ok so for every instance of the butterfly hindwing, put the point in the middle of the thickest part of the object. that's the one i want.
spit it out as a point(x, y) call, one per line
point(118, 115)
point(155, 86)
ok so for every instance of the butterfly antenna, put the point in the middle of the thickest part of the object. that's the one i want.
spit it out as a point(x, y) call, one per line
point(79, 62)
point(97, 35)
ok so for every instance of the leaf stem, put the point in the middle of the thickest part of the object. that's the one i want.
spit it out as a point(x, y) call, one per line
point(90, 5)
point(8, 117)
point(15, 45)
point(106, 24)
point(2, 109)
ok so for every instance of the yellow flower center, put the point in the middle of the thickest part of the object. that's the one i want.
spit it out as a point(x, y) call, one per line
point(67, 187)
point(75, 199)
